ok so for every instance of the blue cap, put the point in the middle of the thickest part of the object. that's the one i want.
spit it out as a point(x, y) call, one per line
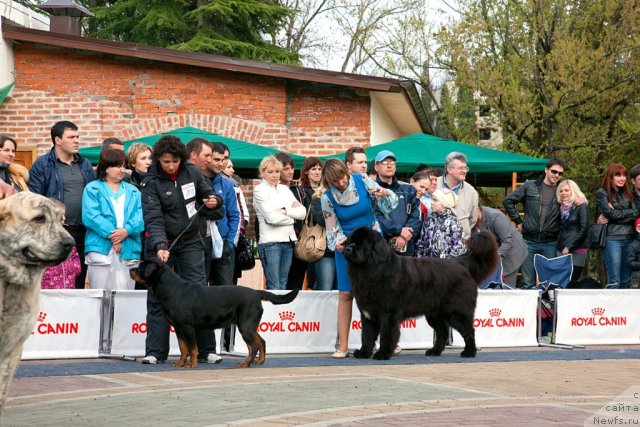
point(384, 154)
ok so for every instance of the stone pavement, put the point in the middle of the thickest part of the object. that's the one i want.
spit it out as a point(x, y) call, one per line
point(531, 393)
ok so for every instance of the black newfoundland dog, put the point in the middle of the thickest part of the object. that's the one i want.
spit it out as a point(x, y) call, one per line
point(390, 288)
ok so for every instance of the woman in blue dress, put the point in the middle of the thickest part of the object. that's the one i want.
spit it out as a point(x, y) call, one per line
point(347, 203)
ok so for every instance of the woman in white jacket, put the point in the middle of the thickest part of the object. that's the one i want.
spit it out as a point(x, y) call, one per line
point(276, 209)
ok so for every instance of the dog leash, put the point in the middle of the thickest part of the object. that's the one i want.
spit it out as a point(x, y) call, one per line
point(195, 216)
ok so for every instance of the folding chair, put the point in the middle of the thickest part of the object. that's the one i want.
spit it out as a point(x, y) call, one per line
point(552, 273)
point(494, 281)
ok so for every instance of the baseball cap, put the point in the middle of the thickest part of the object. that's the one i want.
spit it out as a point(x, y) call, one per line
point(384, 154)
point(637, 222)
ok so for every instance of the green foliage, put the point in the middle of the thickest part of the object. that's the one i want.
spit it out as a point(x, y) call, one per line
point(561, 75)
point(456, 118)
point(226, 27)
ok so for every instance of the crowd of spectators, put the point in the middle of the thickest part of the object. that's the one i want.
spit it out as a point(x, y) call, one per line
point(180, 201)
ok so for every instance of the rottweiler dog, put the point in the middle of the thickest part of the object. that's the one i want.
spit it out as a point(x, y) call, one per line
point(190, 307)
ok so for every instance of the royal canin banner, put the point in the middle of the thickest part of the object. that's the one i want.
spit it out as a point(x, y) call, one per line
point(504, 319)
point(593, 316)
point(414, 333)
point(67, 326)
point(130, 325)
point(306, 325)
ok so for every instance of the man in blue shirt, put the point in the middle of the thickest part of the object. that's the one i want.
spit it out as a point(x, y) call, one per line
point(229, 224)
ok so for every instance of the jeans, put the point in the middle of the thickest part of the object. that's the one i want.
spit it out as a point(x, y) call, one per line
point(221, 269)
point(615, 256)
point(326, 274)
point(276, 260)
point(548, 250)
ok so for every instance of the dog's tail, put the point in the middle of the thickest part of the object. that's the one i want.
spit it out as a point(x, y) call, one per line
point(482, 255)
point(278, 298)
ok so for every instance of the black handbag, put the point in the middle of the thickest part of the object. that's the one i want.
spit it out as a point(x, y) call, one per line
point(597, 236)
point(244, 254)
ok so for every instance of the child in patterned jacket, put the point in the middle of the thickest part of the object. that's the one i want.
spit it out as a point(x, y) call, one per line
point(63, 275)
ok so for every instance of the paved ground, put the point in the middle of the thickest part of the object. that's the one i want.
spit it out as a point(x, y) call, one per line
point(497, 389)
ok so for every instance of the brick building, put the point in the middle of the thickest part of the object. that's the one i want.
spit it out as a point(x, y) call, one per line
point(119, 89)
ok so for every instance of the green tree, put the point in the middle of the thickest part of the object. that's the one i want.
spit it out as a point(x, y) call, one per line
point(238, 28)
point(561, 75)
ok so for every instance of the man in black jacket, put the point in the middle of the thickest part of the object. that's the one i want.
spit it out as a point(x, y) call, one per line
point(540, 226)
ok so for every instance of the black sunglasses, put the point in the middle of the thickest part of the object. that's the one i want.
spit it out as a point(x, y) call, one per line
point(556, 172)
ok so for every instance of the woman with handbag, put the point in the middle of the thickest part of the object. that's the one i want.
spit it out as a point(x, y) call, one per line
point(348, 203)
point(325, 267)
point(112, 215)
point(615, 208)
point(574, 225)
point(310, 176)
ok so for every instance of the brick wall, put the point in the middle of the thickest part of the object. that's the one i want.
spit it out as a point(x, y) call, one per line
point(128, 98)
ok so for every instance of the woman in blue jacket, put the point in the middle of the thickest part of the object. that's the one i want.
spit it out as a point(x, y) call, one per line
point(112, 214)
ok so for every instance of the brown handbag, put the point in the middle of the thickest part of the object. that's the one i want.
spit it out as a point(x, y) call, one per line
point(312, 241)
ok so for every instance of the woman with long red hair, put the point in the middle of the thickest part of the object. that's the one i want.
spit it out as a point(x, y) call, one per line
point(615, 208)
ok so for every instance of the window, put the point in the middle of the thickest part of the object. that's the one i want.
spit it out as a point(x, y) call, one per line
point(484, 133)
point(484, 111)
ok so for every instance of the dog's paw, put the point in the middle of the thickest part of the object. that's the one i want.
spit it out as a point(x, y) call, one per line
point(432, 352)
point(379, 355)
point(468, 353)
point(243, 365)
point(361, 354)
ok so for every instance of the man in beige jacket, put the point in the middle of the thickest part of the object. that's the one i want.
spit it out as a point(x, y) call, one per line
point(466, 209)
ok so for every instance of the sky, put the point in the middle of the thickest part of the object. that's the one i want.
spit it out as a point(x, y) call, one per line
point(333, 57)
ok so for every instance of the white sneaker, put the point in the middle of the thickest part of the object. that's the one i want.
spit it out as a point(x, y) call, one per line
point(397, 350)
point(151, 360)
point(213, 358)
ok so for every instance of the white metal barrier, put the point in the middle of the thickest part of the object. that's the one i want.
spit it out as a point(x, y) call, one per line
point(585, 316)
point(68, 324)
point(504, 318)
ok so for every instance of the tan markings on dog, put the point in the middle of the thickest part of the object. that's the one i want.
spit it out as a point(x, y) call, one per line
point(184, 354)
point(31, 239)
point(262, 349)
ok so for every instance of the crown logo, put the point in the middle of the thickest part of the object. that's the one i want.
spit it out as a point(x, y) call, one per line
point(598, 311)
point(42, 316)
point(287, 315)
point(495, 312)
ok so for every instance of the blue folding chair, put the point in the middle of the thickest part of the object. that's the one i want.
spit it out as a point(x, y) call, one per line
point(494, 281)
point(553, 273)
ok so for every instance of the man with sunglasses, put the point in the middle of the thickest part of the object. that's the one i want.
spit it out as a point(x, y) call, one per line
point(540, 225)
point(402, 225)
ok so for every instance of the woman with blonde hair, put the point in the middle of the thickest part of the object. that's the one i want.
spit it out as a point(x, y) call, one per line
point(574, 224)
point(347, 203)
point(139, 160)
point(276, 209)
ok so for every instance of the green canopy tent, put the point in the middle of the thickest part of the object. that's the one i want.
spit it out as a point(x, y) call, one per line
point(487, 167)
point(245, 156)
